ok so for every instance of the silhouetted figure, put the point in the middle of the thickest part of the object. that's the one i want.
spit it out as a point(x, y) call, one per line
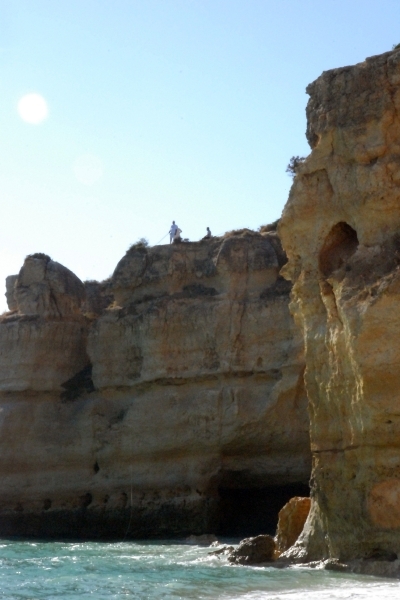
point(208, 234)
point(172, 231)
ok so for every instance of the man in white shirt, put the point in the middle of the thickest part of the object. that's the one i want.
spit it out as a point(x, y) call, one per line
point(172, 231)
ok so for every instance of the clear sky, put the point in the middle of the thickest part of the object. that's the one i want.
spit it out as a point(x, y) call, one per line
point(159, 110)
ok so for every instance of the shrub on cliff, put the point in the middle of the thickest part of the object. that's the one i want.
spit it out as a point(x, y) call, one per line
point(293, 165)
point(140, 244)
point(270, 227)
point(40, 255)
point(237, 232)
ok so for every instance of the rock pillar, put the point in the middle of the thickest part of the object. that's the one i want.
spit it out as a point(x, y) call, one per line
point(341, 231)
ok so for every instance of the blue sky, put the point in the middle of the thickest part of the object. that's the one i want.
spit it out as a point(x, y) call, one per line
point(159, 110)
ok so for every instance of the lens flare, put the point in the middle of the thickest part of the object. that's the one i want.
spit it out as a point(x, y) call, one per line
point(33, 109)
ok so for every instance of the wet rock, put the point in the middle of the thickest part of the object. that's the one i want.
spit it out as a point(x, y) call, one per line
point(377, 568)
point(254, 551)
point(221, 551)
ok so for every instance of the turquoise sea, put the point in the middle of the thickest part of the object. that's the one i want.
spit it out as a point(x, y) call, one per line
point(168, 571)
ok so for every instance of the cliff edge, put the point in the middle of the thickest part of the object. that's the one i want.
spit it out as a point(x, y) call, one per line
point(137, 407)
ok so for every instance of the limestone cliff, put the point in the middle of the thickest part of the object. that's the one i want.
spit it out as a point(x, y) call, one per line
point(131, 420)
point(43, 340)
point(340, 229)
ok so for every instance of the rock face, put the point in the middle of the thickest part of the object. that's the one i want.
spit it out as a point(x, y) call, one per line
point(292, 518)
point(254, 551)
point(10, 292)
point(125, 422)
point(340, 229)
point(43, 342)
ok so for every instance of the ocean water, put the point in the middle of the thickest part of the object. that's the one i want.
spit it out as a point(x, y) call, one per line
point(168, 571)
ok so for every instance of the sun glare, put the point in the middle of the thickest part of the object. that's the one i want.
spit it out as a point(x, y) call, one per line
point(32, 108)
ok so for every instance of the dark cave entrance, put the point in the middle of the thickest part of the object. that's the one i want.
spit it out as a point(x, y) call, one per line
point(339, 245)
point(249, 512)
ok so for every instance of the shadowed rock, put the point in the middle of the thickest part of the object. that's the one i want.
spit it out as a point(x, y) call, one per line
point(254, 551)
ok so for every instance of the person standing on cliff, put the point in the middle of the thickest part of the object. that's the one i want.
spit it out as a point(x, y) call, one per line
point(172, 231)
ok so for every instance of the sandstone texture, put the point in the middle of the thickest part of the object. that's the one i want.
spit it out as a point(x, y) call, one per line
point(292, 518)
point(340, 229)
point(126, 406)
point(43, 340)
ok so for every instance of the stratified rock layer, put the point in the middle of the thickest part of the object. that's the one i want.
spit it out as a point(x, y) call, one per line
point(125, 422)
point(43, 340)
point(340, 229)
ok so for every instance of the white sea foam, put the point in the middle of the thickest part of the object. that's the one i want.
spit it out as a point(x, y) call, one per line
point(167, 571)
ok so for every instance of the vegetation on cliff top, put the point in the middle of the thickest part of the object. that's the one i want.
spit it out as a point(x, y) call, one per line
point(293, 165)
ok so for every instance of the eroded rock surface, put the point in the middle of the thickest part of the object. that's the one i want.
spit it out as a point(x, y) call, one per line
point(43, 339)
point(125, 422)
point(292, 518)
point(340, 229)
point(10, 292)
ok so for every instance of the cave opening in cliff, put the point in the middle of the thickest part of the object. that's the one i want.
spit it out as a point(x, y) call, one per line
point(340, 244)
point(252, 511)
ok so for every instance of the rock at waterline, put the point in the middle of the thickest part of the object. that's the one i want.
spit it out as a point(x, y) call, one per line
point(221, 551)
point(291, 522)
point(253, 551)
